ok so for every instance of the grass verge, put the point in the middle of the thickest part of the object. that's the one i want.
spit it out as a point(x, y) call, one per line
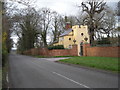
point(62, 56)
point(51, 56)
point(0, 78)
point(106, 63)
point(5, 72)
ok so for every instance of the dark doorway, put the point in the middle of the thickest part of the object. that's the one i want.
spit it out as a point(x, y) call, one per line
point(81, 49)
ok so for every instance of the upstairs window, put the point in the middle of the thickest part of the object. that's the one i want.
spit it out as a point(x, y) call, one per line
point(82, 34)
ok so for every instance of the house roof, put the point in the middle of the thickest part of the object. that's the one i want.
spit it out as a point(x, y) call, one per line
point(55, 41)
point(66, 32)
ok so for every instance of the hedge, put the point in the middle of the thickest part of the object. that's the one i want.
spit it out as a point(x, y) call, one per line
point(56, 47)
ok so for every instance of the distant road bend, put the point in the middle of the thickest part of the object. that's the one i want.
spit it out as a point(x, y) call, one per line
point(29, 72)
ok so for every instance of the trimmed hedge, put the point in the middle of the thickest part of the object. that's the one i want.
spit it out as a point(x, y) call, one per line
point(103, 41)
point(56, 47)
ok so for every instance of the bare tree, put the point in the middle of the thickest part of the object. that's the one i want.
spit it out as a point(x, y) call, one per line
point(118, 7)
point(44, 24)
point(56, 26)
point(92, 7)
point(28, 28)
point(108, 22)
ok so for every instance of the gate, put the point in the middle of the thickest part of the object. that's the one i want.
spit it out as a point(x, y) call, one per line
point(81, 49)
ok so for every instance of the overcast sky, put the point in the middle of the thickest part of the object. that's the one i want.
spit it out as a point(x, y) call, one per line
point(66, 7)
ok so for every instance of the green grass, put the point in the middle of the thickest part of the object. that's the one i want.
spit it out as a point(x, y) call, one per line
point(5, 71)
point(106, 63)
point(62, 56)
point(51, 56)
point(0, 78)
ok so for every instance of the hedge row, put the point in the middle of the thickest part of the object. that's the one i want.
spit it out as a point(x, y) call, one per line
point(56, 47)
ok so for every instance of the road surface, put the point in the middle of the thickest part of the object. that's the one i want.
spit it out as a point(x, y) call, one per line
point(30, 72)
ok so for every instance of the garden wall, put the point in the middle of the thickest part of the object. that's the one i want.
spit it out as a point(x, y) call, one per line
point(54, 52)
point(101, 51)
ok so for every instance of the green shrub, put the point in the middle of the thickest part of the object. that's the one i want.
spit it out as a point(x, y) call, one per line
point(56, 47)
point(103, 41)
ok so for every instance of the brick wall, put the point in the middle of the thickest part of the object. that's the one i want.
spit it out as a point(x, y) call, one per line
point(54, 52)
point(101, 51)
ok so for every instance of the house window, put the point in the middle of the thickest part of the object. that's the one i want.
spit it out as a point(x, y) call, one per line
point(69, 38)
point(72, 32)
point(82, 34)
point(70, 46)
point(61, 39)
point(85, 38)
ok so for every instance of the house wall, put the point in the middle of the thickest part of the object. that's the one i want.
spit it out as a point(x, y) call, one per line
point(78, 37)
point(65, 40)
point(101, 51)
point(68, 42)
point(75, 35)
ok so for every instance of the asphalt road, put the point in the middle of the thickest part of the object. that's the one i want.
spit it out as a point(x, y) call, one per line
point(29, 72)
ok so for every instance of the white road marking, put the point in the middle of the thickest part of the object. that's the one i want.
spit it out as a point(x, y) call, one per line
point(7, 79)
point(71, 80)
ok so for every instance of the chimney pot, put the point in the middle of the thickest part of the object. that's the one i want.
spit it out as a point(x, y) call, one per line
point(68, 25)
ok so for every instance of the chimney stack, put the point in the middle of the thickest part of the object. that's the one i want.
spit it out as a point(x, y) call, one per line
point(68, 25)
